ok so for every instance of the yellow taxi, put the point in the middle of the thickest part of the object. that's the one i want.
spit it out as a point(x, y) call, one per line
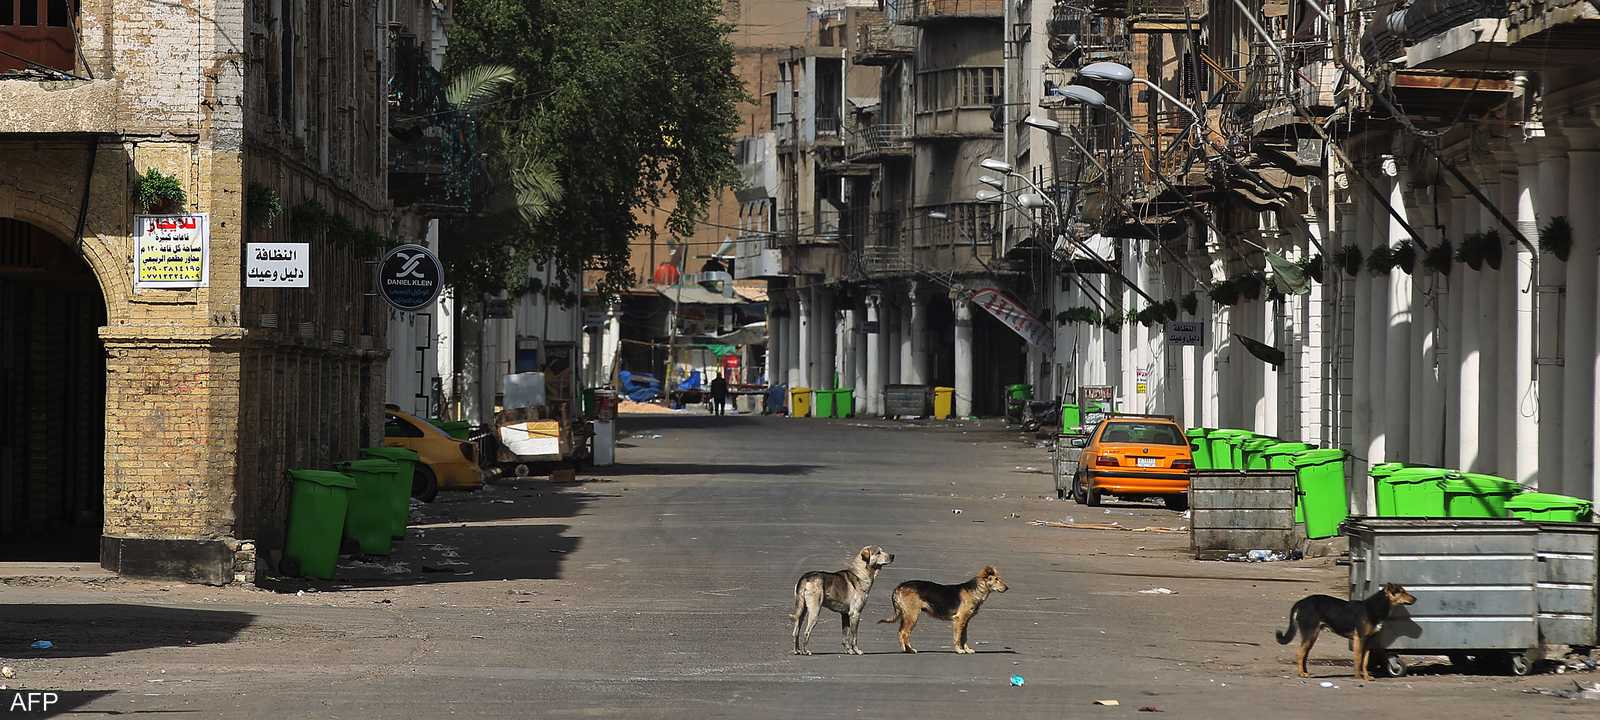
point(1135, 457)
point(447, 463)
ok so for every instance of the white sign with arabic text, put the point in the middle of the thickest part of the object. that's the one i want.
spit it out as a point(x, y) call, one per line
point(277, 265)
point(171, 251)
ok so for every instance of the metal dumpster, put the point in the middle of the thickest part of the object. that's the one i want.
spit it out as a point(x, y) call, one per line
point(905, 401)
point(1234, 511)
point(1568, 566)
point(1068, 449)
point(1474, 583)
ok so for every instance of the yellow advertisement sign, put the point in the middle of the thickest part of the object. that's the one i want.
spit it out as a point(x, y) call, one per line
point(171, 251)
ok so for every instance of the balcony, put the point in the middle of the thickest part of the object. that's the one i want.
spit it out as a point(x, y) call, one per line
point(1569, 27)
point(883, 249)
point(36, 36)
point(878, 143)
point(430, 150)
point(926, 12)
point(883, 43)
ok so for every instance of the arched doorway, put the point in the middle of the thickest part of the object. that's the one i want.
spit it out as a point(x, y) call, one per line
point(52, 399)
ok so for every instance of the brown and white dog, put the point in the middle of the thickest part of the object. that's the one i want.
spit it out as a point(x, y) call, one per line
point(955, 603)
point(844, 592)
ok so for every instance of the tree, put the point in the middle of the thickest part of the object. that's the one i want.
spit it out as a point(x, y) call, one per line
point(633, 100)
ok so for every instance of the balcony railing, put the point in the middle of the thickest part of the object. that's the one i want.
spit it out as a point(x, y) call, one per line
point(1552, 22)
point(918, 12)
point(878, 142)
point(827, 124)
point(882, 43)
point(37, 34)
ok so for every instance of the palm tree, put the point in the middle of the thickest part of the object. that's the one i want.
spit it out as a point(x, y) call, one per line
point(535, 185)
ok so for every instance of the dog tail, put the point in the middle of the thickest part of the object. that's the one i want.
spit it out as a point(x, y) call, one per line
point(1284, 637)
point(799, 605)
point(895, 603)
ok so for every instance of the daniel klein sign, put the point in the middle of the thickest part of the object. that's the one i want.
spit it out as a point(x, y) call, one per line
point(1013, 315)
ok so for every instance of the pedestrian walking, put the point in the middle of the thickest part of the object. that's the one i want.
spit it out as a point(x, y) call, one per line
point(719, 395)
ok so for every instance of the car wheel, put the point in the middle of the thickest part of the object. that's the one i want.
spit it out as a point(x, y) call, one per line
point(1077, 490)
point(424, 484)
point(1178, 503)
point(1061, 493)
point(1091, 496)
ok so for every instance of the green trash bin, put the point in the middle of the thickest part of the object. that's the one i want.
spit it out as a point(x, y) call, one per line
point(317, 508)
point(407, 460)
point(1071, 418)
point(1226, 448)
point(1549, 507)
point(822, 403)
point(1409, 491)
point(1254, 449)
point(1475, 495)
point(1320, 475)
point(369, 516)
point(844, 403)
point(586, 402)
point(1019, 391)
point(1199, 447)
point(458, 429)
point(1280, 456)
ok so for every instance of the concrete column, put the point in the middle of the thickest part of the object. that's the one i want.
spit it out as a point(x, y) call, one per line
point(1361, 424)
point(1464, 356)
point(914, 344)
point(1427, 298)
point(847, 349)
point(1378, 327)
point(807, 341)
point(1579, 450)
point(1345, 343)
point(871, 395)
point(893, 331)
point(611, 343)
point(1488, 316)
point(772, 364)
point(858, 351)
point(963, 357)
point(1552, 281)
point(1397, 344)
point(827, 322)
point(1524, 421)
point(1207, 352)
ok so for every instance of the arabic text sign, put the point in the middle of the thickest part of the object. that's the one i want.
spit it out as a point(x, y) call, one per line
point(277, 265)
point(1186, 332)
point(1013, 315)
point(171, 251)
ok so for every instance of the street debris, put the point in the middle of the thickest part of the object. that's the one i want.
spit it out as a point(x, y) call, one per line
point(1327, 684)
point(1577, 664)
point(1149, 708)
point(42, 645)
point(1264, 556)
point(503, 502)
point(1159, 591)
point(1108, 703)
point(7, 673)
point(1578, 691)
point(956, 511)
point(1017, 681)
point(1074, 524)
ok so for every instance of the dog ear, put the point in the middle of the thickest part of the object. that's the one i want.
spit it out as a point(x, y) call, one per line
point(987, 571)
point(866, 554)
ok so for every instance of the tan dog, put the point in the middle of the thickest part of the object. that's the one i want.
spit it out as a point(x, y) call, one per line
point(955, 603)
point(844, 592)
point(1358, 620)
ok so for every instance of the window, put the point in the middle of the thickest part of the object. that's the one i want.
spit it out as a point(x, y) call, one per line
point(393, 426)
point(286, 41)
point(1148, 433)
point(958, 88)
point(37, 33)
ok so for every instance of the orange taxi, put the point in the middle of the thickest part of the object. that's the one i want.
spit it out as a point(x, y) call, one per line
point(1135, 457)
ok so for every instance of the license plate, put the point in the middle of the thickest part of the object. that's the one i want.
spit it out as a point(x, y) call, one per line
point(1146, 462)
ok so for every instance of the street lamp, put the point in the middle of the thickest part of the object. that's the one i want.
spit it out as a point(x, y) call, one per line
point(993, 182)
point(938, 215)
point(1120, 74)
point(989, 196)
point(999, 166)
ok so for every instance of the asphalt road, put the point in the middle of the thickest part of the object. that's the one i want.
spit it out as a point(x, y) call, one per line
point(662, 588)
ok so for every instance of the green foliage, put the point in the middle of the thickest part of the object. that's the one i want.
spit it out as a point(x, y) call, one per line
point(313, 222)
point(1556, 237)
point(1439, 257)
point(1405, 256)
point(1313, 266)
point(634, 100)
point(159, 192)
point(1190, 302)
point(1381, 260)
point(1082, 315)
point(1479, 249)
point(262, 206)
point(1226, 292)
point(473, 86)
point(1112, 323)
point(1348, 258)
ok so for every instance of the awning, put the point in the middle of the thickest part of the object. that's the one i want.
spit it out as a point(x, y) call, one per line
point(696, 295)
point(752, 334)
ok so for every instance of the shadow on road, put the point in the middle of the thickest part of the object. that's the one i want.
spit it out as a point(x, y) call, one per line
point(92, 630)
point(710, 468)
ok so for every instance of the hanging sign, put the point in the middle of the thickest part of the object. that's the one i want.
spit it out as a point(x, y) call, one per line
point(1013, 315)
point(410, 277)
point(277, 265)
point(171, 251)
point(1186, 332)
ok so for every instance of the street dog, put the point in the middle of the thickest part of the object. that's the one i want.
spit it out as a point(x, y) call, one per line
point(844, 592)
point(954, 603)
point(1358, 620)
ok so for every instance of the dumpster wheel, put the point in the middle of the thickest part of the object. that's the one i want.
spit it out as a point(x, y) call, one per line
point(1519, 664)
point(1393, 666)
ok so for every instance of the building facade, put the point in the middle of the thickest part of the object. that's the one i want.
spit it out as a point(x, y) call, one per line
point(151, 428)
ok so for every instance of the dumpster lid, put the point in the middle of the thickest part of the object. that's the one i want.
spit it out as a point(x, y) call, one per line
point(1385, 469)
point(325, 478)
point(1227, 433)
point(392, 453)
point(1318, 457)
point(1195, 432)
point(1288, 448)
point(1260, 443)
point(1408, 475)
point(374, 465)
point(1459, 482)
point(1547, 501)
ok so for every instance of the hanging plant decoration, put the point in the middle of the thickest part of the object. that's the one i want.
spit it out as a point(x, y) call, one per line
point(1381, 260)
point(1405, 256)
point(1556, 237)
point(1190, 302)
point(1061, 318)
point(262, 206)
point(1349, 258)
point(308, 221)
point(1112, 323)
point(1225, 293)
point(1250, 285)
point(158, 192)
point(1493, 249)
point(1312, 267)
point(1471, 251)
point(1439, 258)
point(1151, 316)
point(1169, 310)
point(1081, 315)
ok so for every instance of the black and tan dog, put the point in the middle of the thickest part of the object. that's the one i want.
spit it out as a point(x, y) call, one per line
point(1358, 620)
point(955, 603)
point(844, 592)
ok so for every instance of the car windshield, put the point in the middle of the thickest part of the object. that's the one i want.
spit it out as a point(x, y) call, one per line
point(1146, 433)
